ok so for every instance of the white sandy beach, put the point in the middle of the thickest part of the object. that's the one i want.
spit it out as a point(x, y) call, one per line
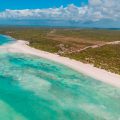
point(87, 69)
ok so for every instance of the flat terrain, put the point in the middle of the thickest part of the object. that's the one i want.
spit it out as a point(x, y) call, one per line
point(97, 47)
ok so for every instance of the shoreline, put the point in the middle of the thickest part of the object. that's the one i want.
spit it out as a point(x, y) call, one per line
point(21, 46)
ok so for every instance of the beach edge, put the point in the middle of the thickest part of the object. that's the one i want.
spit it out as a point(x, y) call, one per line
point(22, 46)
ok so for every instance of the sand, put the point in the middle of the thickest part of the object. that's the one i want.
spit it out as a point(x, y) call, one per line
point(21, 46)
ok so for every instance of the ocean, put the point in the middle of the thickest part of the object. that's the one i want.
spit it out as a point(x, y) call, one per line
point(33, 88)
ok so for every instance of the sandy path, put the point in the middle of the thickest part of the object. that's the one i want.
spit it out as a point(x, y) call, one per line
point(96, 46)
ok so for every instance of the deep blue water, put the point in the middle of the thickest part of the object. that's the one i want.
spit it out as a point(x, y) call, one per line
point(33, 88)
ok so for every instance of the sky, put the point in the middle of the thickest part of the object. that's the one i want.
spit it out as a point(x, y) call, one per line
point(35, 4)
point(61, 12)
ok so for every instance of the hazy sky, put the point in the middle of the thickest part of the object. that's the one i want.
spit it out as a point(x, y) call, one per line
point(81, 11)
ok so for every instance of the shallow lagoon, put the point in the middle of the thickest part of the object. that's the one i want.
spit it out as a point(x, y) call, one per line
point(5, 39)
point(37, 89)
point(33, 88)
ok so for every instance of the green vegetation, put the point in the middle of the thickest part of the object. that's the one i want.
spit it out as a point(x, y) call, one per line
point(91, 34)
point(36, 37)
point(69, 42)
point(106, 57)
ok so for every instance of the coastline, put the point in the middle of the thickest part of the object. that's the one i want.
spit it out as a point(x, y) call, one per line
point(21, 46)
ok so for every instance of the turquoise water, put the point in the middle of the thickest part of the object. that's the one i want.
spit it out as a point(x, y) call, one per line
point(5, 39)
point(33, 88)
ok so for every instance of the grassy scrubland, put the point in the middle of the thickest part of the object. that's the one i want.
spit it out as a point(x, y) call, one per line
point(106, 57)
point(67, 42)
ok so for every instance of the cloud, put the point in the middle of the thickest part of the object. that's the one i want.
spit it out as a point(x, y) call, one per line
point(95, 10)
point(95, 2)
